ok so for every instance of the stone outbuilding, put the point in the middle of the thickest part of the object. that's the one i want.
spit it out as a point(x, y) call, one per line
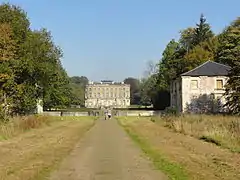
point(201, 89)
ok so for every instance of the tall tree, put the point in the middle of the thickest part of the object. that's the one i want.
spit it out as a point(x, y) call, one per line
point(203, 31)
point(168, 67)
point(187, 38)
point(7, 53)
point(201, 53)
point(30, 66)
point(145, 91)
point(77, 86)
point(134, 89)
point(15, 20)
point(82, 80)
point(229, 53)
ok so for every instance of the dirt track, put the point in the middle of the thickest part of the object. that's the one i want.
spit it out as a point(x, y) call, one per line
point(106, 153)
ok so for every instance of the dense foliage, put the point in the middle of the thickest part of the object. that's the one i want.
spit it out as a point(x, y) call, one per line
point(229, 53)
point(31, 69)
point(134, 89)
point(77, 85)
point(30, 66)
point(195, 46)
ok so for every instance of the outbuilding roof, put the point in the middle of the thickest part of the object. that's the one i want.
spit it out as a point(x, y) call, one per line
point(209, 68)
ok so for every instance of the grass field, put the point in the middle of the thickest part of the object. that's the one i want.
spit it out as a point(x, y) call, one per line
point(179, 155)
point(223, 131)
point(33, 146)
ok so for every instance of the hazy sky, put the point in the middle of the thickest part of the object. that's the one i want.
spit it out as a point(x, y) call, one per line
point(114, 39)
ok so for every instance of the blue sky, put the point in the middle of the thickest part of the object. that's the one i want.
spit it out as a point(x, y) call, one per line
point(114, 39)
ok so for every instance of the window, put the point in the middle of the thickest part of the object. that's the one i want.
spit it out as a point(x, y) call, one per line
point(194, 84)
point(219, 84)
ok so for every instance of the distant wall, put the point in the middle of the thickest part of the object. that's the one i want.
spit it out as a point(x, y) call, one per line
point(51, 113)
point(138, 113)
point(75, 114)
point(114, 113)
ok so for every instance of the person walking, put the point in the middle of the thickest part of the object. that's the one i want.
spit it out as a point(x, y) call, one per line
point(109, 114)
point(106, 114)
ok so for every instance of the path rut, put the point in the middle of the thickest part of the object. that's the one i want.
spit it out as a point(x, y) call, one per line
point(106, 153)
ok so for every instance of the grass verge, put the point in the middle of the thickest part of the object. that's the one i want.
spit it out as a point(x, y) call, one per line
point(198, 160)
point(173, 170)
point(223, 131)
point(34, 154)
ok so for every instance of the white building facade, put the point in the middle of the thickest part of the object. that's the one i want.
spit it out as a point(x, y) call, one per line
point(201, 89)
point(107, 94)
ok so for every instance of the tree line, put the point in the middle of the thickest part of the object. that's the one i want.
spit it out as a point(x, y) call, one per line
point(195, 46)
point(30, 67)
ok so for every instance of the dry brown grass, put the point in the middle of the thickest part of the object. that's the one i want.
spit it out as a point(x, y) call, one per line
point(223, 131)
point(201, 160)
point(18, 125)
point(33, 154)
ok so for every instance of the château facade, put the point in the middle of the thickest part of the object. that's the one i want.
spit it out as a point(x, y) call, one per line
point(107, 94)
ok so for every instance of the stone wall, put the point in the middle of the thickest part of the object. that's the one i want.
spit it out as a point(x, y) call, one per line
point(114, 113)
point(138, 113)
point(51, 113)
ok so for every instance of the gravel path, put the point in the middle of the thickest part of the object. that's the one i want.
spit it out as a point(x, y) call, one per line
point(106, 153)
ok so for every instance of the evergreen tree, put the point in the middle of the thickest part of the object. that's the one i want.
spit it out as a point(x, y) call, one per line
point(203, 31)
point(229, 53)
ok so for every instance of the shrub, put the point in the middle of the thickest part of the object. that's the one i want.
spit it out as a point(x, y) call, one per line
point(171, 111)
point(3, 117)
point(31, 122)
